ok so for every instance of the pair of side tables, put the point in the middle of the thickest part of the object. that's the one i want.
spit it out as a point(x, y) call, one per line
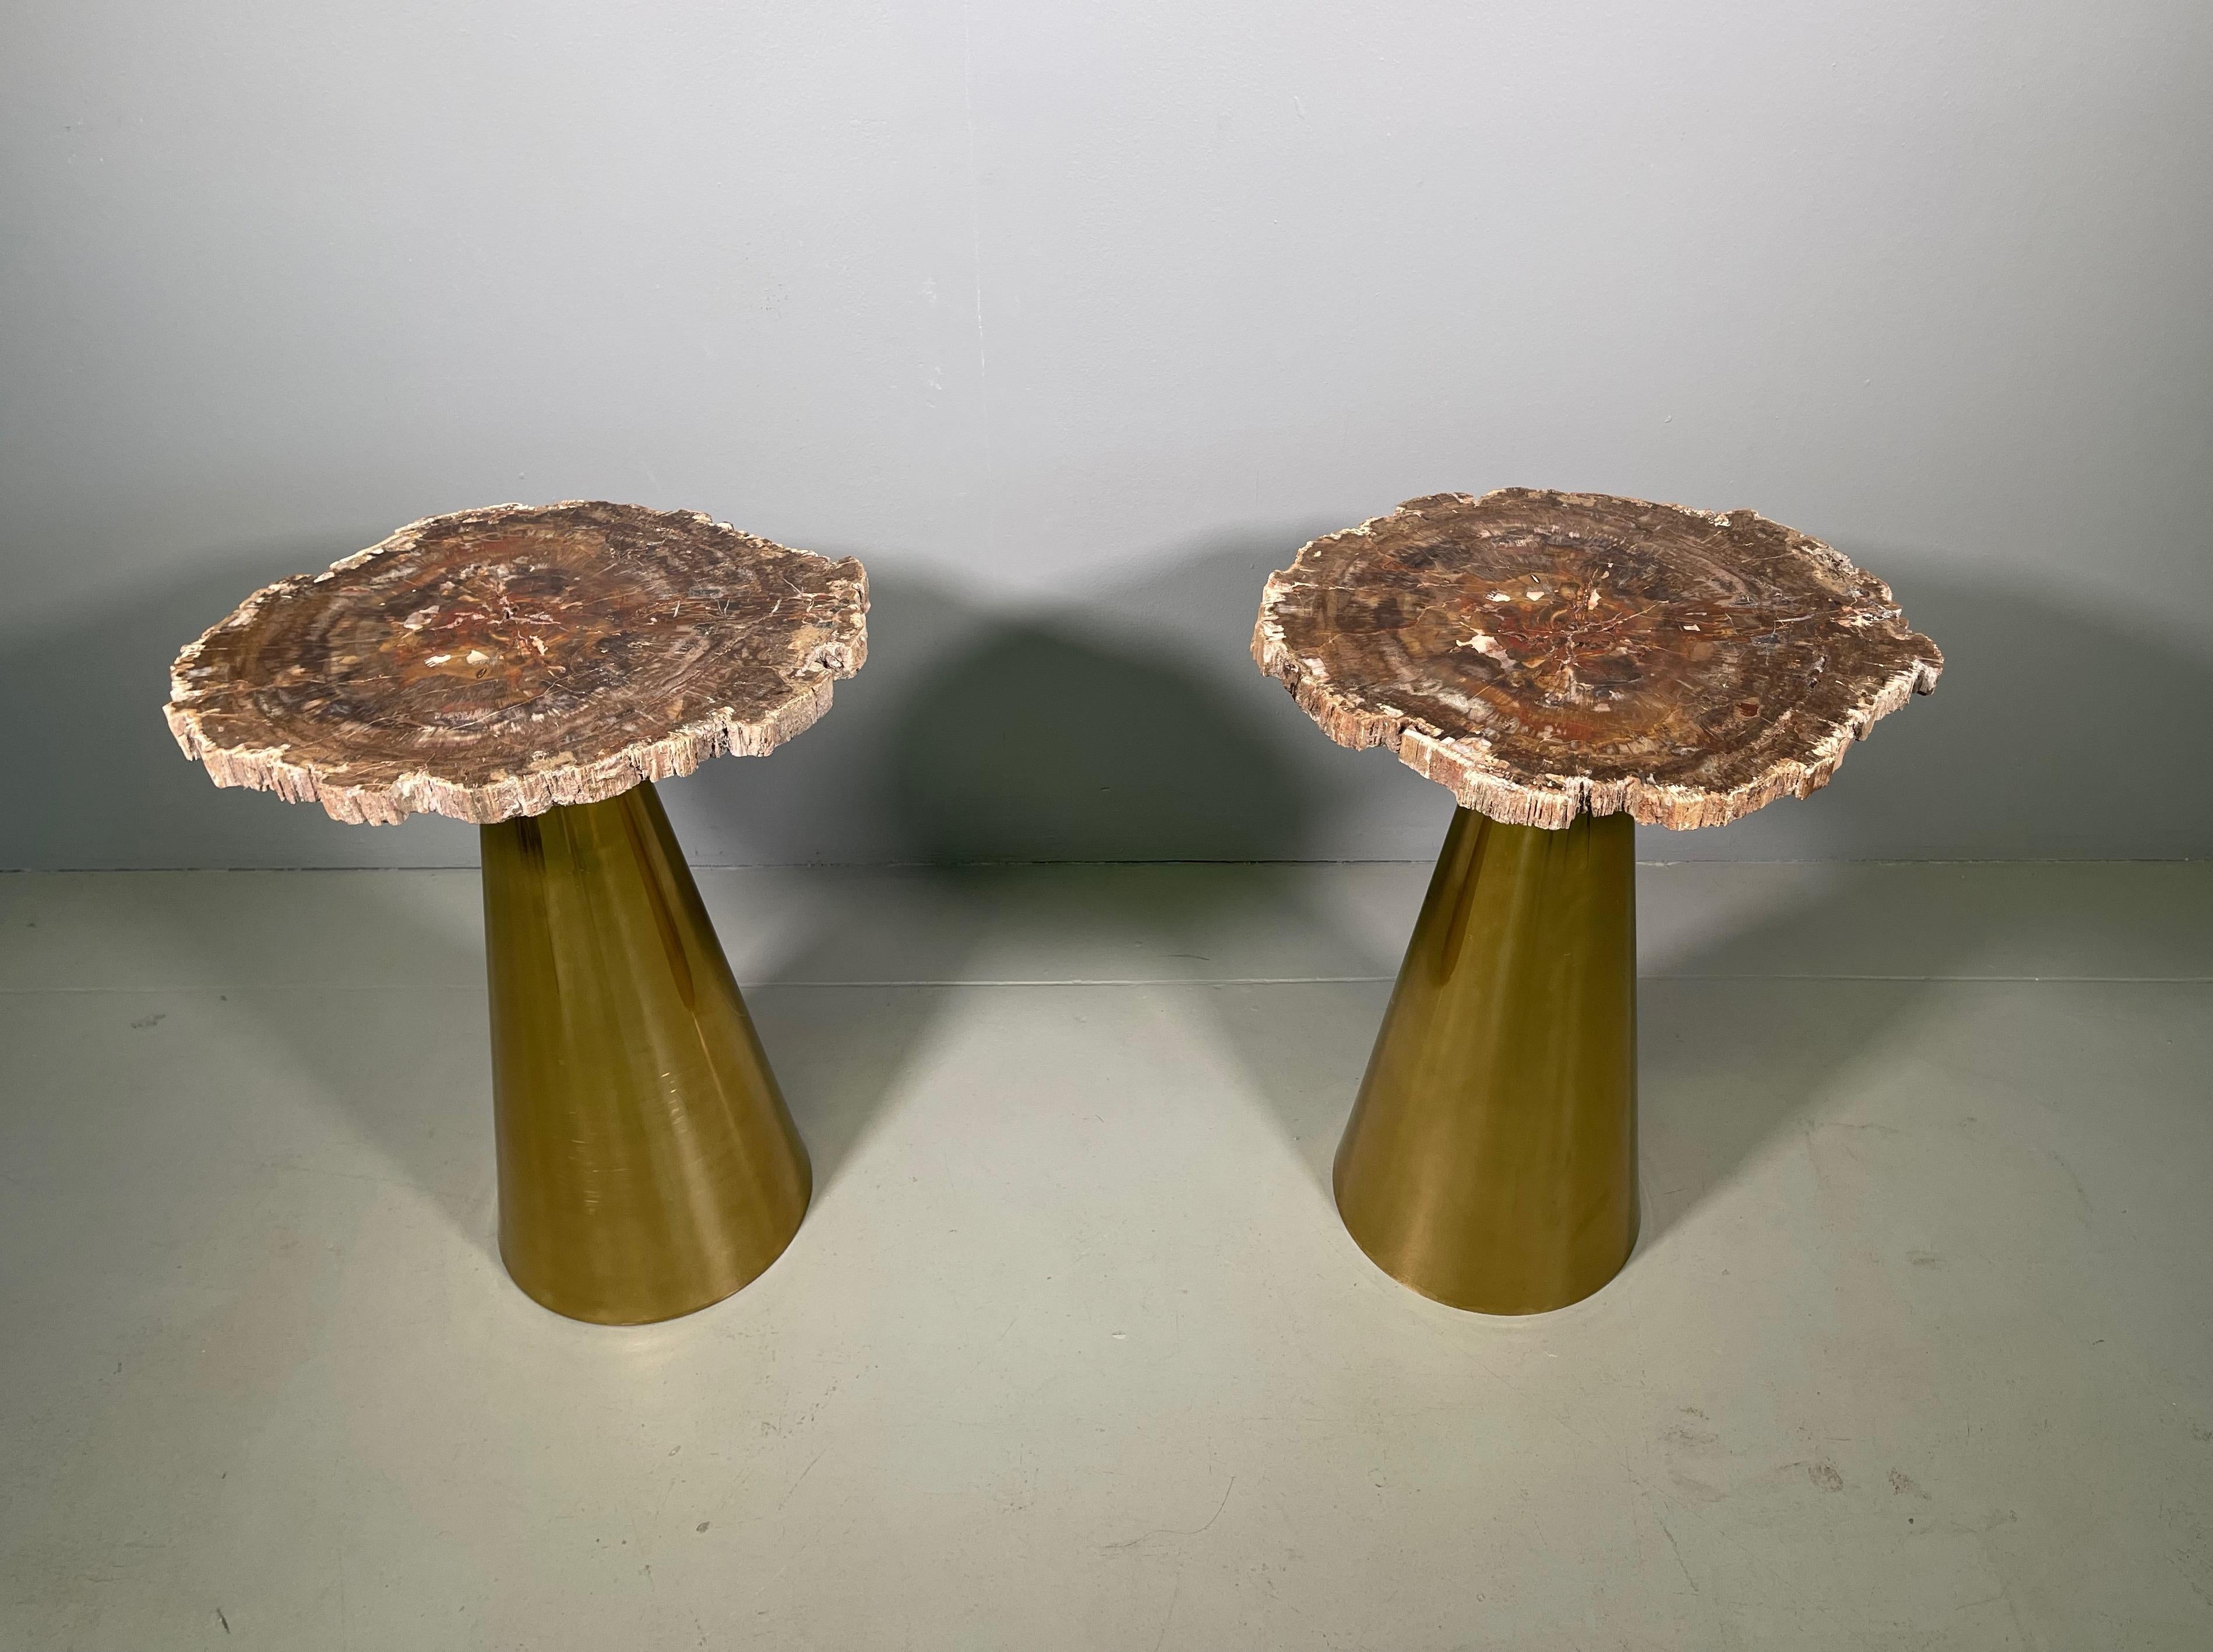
point(1564, 664)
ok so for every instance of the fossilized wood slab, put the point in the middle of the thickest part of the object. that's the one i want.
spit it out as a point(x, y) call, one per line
point(497, 662)
point(1548, 655)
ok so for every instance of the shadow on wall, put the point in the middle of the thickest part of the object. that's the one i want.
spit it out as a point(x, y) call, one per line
point(2055, 734)
point(1036, 743)
point(106, 786)
point(1134, 726)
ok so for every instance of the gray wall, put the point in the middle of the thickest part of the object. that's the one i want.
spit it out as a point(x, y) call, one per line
point(1073, 321)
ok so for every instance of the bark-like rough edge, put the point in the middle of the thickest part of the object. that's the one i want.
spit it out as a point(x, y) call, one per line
point(546, 785)
point(1464, 767)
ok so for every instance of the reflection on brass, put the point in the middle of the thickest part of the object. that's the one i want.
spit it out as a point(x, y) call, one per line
point(647, 1164)
point(1490, 1162)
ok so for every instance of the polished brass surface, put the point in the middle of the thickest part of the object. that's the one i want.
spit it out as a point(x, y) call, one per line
point(647, 1164)
point(1490, 1162)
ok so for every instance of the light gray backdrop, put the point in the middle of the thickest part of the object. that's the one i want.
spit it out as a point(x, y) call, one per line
point(1074, 320)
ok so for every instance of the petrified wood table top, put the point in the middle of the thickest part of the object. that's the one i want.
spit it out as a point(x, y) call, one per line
point(497, 662)
point(1548, 654)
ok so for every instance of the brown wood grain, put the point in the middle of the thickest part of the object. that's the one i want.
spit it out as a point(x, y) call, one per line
point(497, 662)
point(1547, 655)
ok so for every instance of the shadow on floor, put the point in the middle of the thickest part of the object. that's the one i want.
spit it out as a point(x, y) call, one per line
point(87, 719)
point(419, 1097)
point(1731, 1056)
point(2019, 754)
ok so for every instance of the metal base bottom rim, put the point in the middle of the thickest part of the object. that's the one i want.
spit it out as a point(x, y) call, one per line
point(585, 1317)
point(1479, 1308)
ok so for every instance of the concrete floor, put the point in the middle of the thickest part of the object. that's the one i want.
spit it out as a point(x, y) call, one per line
point(1915, 1351)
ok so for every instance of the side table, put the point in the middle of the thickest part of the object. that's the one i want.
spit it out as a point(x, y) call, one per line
point(533, 670)
point(1565, 664)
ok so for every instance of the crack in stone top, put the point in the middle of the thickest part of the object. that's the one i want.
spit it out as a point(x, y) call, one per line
point(497, 662)
point(1545, 655)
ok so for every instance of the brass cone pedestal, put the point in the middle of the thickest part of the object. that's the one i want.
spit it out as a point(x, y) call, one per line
point(1490, 1162)
point(647, 1164)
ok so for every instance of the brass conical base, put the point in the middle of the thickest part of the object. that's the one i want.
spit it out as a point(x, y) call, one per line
point(1490, 1162)
point(647, 1164)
